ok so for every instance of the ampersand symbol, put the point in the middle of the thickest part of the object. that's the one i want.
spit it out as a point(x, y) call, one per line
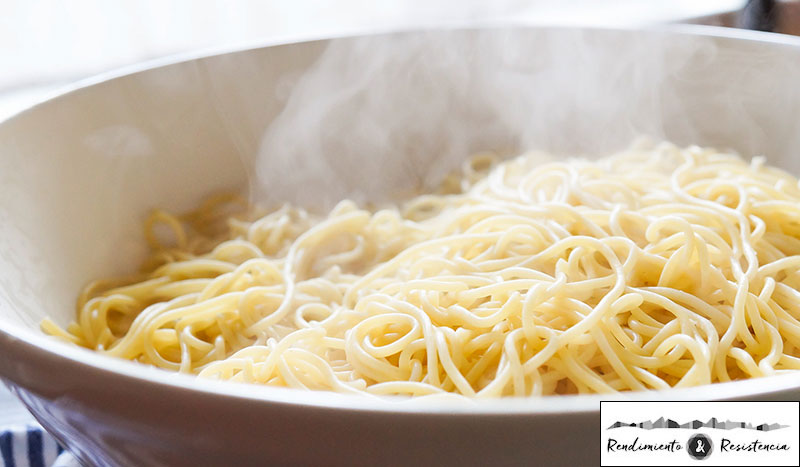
point(700, 447)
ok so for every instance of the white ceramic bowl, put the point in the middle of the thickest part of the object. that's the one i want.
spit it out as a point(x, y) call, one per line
point(79, 172)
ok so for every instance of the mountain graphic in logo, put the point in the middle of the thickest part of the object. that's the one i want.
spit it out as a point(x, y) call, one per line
point(712, 423)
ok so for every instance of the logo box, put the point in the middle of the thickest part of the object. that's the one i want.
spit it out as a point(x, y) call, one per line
point(699, 433)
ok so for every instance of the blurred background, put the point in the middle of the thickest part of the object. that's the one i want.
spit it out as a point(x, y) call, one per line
point(46, 45)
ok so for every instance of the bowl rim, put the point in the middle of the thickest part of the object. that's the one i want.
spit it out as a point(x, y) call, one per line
point(46, 347)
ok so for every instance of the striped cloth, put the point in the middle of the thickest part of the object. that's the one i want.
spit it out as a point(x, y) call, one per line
point(31, 446)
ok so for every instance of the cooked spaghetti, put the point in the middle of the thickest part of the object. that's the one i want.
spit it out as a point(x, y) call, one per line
point(652, 268)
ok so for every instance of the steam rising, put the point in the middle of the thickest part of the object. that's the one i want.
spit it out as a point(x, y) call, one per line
point(376, 117)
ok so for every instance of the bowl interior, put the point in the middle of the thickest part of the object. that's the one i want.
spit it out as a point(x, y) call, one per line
point(368, 118)
point(81, 172)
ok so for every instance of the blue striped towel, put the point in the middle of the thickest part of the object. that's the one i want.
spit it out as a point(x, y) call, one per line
point(31, 446)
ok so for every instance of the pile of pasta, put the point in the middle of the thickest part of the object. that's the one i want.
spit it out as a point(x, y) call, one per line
point(652, 268)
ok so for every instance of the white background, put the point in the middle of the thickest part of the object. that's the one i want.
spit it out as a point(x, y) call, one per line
point(42, 41)
point(785, 413)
